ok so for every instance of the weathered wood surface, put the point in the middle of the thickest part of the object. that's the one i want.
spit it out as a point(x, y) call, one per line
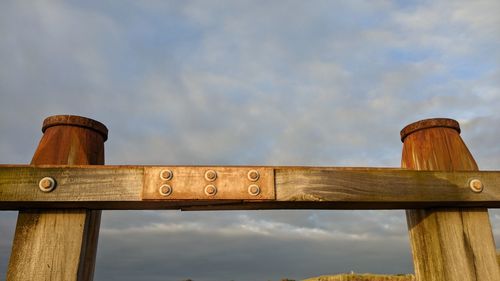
point(452, 243)
point(121, 187)
point(60, 244)
point(367, 188)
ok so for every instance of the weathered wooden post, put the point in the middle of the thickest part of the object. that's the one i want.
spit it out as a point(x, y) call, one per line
point(59, 244)
point(453, 243)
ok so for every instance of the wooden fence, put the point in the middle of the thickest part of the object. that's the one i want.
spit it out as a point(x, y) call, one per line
point(60, 196)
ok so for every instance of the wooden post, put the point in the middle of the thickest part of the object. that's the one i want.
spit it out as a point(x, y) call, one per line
point(60, 244)
point(454, 243)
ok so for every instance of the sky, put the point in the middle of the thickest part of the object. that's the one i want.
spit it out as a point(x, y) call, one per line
point(325, 83)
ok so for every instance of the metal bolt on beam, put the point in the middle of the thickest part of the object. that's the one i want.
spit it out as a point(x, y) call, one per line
point(210, 190)
point(165, 190)
point(476, 185)
point(47, 184)
point(253, 175)
point(254, 190)
point(166, 175)
point(210, 175)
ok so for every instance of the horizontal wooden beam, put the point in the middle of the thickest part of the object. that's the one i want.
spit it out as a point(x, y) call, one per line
point(237, 188)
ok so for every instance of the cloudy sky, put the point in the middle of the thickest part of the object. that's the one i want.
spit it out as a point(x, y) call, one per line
point(249, 82)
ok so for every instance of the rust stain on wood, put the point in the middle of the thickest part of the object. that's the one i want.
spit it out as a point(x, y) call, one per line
point(60, 244)
point(451, 243)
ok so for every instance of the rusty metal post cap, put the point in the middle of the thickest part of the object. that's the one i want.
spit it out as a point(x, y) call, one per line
point(429, 123)
point(73, 120)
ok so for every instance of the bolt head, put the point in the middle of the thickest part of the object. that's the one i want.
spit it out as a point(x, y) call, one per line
point(210, 175)
point(254, 190)
point(47, 184)
point(253, 175)
point(166, 175)
point(476, 185)
point(210, 190)
point(165, 190)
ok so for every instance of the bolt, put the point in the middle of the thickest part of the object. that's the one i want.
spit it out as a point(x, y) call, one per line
point(210, 175)
point(476, 185)
point(210, 190)
point(253, 175)
point(47, 184)
point(165, 190)
point(166, 175)
point(254, 190)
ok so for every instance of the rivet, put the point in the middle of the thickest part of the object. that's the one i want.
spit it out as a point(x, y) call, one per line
point(254, 190)
point(166, 175)
point(47, 184)
point(476, 185)
point(210, 190)
point(210, 175)
point(165, 190)
point(253, 175)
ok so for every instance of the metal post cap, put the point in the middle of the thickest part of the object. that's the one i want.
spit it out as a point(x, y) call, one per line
point(73, 120)
point(429, 123)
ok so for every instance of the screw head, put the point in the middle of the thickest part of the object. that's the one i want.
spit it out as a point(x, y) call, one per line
point(166, 175)
point(253, 175)
point(47, 184)
point(165, 190)
point(210, 175)
point(254, 190)
point(210, 190)
point(476, 185)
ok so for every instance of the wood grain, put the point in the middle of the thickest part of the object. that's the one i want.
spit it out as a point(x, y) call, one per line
point(60, 244)
point(122, 187)
point(383, 188)
point(452, 243)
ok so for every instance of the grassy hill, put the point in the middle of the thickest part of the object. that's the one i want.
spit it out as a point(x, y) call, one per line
point(363, 277)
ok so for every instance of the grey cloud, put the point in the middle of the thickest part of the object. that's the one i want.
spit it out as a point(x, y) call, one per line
point(205, 252)
point(7, 225)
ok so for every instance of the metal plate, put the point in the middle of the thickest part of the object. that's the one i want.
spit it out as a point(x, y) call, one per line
point(231, 183)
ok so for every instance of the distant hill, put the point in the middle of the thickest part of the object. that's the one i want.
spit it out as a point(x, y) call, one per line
point(363, 277)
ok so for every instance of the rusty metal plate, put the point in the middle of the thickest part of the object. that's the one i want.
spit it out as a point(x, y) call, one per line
point(208, 183)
